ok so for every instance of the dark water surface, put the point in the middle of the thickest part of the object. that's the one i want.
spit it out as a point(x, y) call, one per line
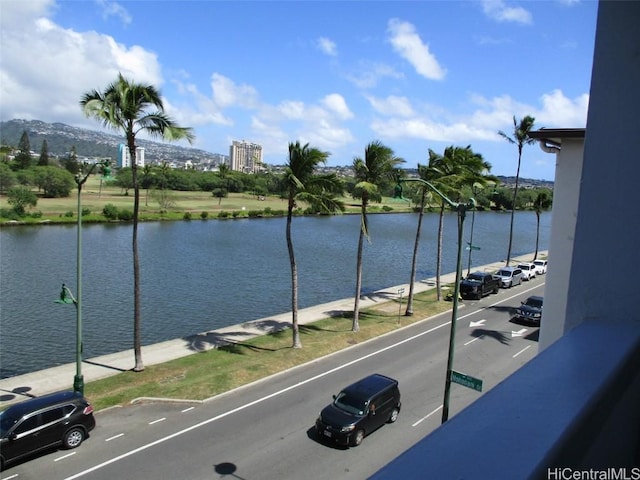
point(202, 275)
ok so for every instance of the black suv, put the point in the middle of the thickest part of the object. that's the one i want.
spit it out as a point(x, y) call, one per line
point(530, 310)
point(360, 409)
point(63, 418)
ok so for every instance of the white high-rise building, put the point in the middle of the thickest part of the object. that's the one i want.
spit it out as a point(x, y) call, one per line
point(124, 159)
point(245, 156)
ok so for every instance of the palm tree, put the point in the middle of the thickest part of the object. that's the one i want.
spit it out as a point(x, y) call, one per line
point(131, 108)
point(319, 191)
point(449, 173)
point(378, 166)
point(520, 138)
point(542, 202)
point(423, 194)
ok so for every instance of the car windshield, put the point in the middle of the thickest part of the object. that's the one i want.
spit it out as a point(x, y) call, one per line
point(524, 267)
point(534, 302)
point(475, 276)
point(350, 404)
point(504, 273)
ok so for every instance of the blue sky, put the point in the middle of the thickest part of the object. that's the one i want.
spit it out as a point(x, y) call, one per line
point(415, 75)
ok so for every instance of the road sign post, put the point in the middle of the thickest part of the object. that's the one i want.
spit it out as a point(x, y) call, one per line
point(466, 380)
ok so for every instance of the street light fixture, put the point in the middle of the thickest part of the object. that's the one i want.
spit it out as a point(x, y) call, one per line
point(66, 296)
point(461, 208)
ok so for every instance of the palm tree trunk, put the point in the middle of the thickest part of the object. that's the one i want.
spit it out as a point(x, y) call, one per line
point(355, 327)
point(439, 254)
point(294, 281)
point(513, 206)
point(535, 255)
point(409, 311)
point(137, 343)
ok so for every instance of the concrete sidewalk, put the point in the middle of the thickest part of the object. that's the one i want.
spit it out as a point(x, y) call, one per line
point(41, 382)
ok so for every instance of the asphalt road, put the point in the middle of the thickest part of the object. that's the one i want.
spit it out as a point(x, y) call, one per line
point(264, 431)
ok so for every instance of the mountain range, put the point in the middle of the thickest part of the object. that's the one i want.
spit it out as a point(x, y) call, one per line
point(62, 138)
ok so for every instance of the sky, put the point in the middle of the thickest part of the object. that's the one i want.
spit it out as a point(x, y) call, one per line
point(414, 75)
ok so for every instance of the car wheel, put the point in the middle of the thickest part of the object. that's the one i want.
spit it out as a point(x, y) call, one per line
point(73, 438)
point(394, 415)
point(495, 290)
point(358, 437)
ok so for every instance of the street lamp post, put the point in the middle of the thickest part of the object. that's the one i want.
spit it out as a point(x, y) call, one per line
point(461, 208)
point(65, 295)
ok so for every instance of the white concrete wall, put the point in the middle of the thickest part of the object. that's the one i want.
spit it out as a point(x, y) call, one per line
point(566, 194)
point(603, 280)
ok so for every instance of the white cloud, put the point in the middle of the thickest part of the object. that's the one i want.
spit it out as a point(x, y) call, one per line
point(491, 115)
point(392, 106)
point(114, 9)
point(408, 44)
point(327, 46)
point(226, 93)
point(499, 11)
point(369, 74)
point(62, 65)
point(337, 104)
point(560, 111)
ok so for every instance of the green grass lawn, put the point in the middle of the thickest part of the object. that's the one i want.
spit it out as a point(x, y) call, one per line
point(203, 375)
point(95, 196)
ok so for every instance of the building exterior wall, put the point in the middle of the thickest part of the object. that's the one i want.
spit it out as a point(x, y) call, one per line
point(124, 159)
point(245, 156)
point(602, 281)
point(566, 194)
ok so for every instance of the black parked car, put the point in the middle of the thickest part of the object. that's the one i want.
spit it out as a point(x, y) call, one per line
point(360, 409)
point(530, 310)
point(63, 418)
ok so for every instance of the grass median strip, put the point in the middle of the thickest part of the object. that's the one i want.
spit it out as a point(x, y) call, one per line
point(203, 375)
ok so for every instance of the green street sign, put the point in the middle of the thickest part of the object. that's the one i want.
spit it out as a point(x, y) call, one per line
point(472, 247)
point(466, 380)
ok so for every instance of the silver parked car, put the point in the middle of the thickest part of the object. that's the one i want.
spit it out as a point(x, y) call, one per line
point(509, 276)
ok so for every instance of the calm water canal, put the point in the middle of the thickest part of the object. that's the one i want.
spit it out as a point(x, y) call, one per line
point(202, 275)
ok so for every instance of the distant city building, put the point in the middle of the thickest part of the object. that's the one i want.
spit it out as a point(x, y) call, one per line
point(124, 159)
point(245, 156)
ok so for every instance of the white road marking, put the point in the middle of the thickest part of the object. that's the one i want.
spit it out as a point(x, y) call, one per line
point(187, 409)
point(65, 456)
point(427, 416)
point(114, 437)
point(158, 421)
point(471, 341)
point(522, 351)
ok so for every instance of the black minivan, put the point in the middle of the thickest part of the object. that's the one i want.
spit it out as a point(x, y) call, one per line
point(360, 409)
point(63, 418)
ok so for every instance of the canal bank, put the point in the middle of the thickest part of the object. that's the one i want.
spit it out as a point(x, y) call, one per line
point(49, 380)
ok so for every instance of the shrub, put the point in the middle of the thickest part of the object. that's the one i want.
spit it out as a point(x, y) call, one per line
point(254, 213)
point(125, 215)
point(186, 216)
point(110, 211)
point(387, 208)
point(86, 211)
point(36, 214)
point(69, 214)
point(204, 215)
point(223, 214)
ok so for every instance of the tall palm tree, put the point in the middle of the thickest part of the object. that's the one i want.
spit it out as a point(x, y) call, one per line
point(304, 184)
point(542, 202)
point(423, 195)
point(378, 166)
point(520, 138)
point(449, 173)
point(131, 108)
